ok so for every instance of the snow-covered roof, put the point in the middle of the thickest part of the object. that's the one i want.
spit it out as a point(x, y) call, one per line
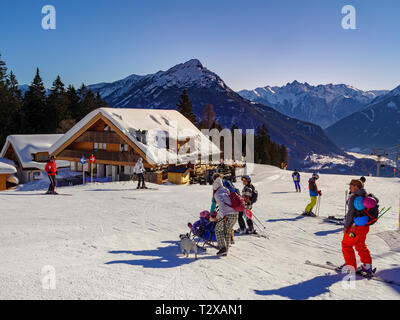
point(6, 167)
point(26, 145)
point(154, 121)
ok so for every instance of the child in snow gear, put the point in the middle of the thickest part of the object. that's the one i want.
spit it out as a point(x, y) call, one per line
point(226, 217)
point(249, 195)
point(202, 227)
point(51, 169)
point(355, 233)
point(296, 180)
point(138, 170)
point(314, 194)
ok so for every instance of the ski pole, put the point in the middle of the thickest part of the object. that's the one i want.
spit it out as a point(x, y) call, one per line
point(384, 211)
point(318, 205)
point(258, 220)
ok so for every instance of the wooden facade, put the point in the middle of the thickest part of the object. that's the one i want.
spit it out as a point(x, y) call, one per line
point(105, 141)
point(3, 181)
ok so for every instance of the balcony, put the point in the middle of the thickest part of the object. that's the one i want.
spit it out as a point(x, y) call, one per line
point(122, 158)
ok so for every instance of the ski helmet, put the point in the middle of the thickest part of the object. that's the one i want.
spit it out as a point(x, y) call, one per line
point(246, 178)
point(315, 176)
point(205, 214)
point(358, 203)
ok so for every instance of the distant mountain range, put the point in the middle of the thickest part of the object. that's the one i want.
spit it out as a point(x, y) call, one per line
point(323, 104)
point(162, 90)
point(376, 125)
point(293, 114)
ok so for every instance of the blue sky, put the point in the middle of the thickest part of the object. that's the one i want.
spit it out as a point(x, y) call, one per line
point(248, 43)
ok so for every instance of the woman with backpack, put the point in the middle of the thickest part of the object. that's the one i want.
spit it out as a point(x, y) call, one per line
point(249, 194)
point(356, 227)
point(226, 216)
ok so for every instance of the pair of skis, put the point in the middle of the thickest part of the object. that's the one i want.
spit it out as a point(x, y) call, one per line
point(331, 266)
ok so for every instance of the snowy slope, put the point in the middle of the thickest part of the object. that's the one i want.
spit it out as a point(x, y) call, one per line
point(109, 241)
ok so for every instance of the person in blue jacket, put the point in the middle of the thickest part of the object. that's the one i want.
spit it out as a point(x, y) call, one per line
point(296, 180)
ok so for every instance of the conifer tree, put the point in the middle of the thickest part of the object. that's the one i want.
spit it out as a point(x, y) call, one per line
point(185, 107)
point(73, 102)
point(58, 104)
point(34, 112)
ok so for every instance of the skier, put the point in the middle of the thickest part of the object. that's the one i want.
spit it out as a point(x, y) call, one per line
point(355, 235)
point(296, 180)
point(51, 169)
point(249, 195)
point(138, 170)
point(226, 217)
point(314, 194)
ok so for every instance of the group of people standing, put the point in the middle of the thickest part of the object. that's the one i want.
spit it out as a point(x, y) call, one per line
point(225, 215)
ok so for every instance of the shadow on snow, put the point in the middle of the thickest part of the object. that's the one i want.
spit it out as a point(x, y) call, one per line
point(325, 233)
point(306, 289)
point(164, 257)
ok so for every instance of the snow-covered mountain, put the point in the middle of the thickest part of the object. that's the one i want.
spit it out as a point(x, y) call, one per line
point(375, 126)
point(162, 90)
point(322, 104)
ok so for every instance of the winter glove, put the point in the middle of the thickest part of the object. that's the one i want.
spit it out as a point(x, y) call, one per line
point(320, 193)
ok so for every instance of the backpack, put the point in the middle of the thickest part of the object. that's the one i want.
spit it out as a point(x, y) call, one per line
point(254, 195)
point(368, 216)
point(237, 202)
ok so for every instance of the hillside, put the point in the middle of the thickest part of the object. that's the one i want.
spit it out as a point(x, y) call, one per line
point(162, 90)
point(375, 126)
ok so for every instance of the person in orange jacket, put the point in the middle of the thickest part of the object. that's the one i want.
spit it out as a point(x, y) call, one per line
point(51, 169)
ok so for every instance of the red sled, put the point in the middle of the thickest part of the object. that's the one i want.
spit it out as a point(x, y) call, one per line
point(249, 214)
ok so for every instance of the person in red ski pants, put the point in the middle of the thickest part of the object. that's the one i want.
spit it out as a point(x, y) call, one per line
point(355, 236)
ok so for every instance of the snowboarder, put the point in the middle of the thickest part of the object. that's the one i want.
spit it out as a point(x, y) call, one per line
point(51, 169)
point(226, 217)
point(314, 194)
point(249, 195)
point(296, 180)
point(138, 170)
point(355, 235)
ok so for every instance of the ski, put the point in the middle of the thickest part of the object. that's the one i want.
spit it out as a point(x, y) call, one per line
point(56, 194)
point(334, 220)
point(331, 266)
point(145, 189)
point(258, 235)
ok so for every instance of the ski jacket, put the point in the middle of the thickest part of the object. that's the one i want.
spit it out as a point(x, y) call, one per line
point(139, 168)
point(200, 225)
point(224, 203)
point(349, 219)
point(312, 187)
point(296, 176)
point(51, 168)
point(247, 195)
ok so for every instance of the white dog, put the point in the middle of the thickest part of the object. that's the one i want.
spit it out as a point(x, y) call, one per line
point(187, 244)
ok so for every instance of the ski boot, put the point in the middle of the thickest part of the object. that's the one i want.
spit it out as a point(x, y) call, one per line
point(366, 270)
point(222, 252)
point(251, 231)
point(345, 269)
